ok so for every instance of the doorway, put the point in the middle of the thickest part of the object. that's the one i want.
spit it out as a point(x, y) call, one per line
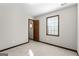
point(33, 29)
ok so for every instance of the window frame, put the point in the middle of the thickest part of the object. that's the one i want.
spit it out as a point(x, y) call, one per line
point(47, 26)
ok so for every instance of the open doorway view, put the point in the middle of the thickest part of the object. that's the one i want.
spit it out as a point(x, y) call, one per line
point(30, 28)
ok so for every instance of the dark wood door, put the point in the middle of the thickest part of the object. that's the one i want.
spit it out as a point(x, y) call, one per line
point(36, 30)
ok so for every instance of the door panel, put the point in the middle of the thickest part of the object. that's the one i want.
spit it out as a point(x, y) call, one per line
point(36, 29)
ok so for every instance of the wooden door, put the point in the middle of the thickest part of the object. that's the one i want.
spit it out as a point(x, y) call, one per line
point(36, 30)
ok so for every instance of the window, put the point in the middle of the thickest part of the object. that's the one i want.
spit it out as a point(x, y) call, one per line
point(52, 25)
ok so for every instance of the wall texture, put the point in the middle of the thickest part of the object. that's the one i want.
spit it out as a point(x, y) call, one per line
point(13, 25)
point(67, 28)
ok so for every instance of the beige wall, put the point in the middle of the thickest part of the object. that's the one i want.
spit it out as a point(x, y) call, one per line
point(13, 25)
point(78, 30)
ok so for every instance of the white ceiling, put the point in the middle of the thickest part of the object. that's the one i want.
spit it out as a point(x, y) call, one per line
point(38, 9)
point(42, 8)
point(34, 9)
